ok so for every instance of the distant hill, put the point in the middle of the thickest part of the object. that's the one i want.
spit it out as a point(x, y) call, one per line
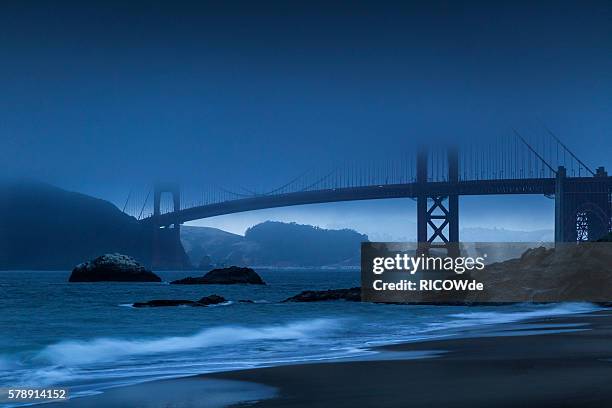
point(204, 241)
point(283, 244)
point(45, 227)
point(504, 235)
point(275, 244)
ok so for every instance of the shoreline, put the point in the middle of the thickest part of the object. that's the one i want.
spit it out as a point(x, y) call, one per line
point(561, 361)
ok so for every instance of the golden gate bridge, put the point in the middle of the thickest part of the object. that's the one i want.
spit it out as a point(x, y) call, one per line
point(433, 176)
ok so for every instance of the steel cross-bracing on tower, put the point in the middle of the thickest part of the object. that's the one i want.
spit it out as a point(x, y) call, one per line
point(438, 215)
point(435, 177)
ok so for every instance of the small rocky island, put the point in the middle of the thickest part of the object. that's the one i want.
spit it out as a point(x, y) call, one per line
point(112, 268)
point(224, 276)
point(205, 301)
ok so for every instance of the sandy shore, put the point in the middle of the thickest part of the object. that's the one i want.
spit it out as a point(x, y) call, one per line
point(554, 362)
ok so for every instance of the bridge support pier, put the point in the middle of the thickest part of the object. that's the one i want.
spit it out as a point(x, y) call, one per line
point(438, 216)
point(582, 209)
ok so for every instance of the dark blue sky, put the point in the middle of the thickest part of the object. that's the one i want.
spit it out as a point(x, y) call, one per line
point(102, 97)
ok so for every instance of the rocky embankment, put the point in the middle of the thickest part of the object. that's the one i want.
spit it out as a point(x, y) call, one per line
point(112, 268)
point(224, 276)
point(566, 273)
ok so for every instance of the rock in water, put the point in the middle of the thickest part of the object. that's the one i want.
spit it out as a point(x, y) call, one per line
point(112, 268)
point(165, 302)
point(205, 301)
point(352, 294)
point(212, 300)
point(224, 276)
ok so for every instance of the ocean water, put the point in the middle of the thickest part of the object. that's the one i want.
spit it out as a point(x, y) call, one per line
point(87, 337)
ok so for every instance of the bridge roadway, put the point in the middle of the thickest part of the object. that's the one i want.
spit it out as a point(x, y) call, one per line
point(544, 186)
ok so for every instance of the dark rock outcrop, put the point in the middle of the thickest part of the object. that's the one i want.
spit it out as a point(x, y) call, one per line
point(166, 302)
point(352, 294)
point(566, 273)
point(569, 272)
point(205, 301)
point(112, 268)
point(211, 300)
point(224, 276)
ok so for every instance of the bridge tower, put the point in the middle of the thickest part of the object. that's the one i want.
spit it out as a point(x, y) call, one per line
point(161, 188)
point(582, 207)
point(438, 215)
point(167, 249)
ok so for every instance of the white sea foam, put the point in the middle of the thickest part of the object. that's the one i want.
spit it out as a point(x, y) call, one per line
point(540, 311)
point(77, 353)
point(227, 303)
point(120, 361)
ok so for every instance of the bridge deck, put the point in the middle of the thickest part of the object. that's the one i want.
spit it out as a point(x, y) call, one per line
point(544, 186)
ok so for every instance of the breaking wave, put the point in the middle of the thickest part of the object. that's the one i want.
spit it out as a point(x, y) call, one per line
point(75, 353)
point(540, 311)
